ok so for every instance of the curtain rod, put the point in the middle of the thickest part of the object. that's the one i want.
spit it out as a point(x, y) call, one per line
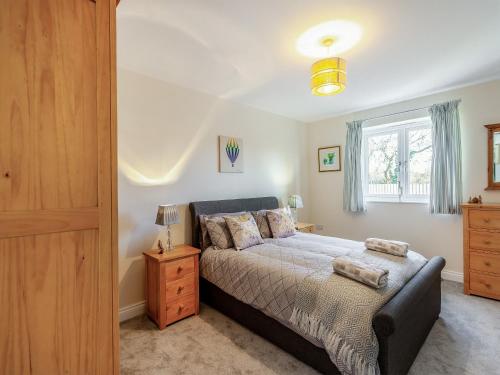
point(396, 113)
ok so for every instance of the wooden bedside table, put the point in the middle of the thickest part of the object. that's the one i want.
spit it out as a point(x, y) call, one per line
point(172, 284)
point(305, 227)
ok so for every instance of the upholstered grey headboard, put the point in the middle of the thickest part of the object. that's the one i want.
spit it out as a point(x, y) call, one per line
point(229, 205)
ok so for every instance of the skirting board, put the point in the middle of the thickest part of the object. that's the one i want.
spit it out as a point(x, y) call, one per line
point(453, 276)
point(131, 311)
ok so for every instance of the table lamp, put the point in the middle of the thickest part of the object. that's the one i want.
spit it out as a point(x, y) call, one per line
point(295, 201)
point(166, 216)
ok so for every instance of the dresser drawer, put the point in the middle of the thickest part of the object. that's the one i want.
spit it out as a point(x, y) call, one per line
point(484, 240)
point(180, 288)
point(486, 284)
point(178, 269)
point(484, 219)
point(485, 262)
point(180, 308)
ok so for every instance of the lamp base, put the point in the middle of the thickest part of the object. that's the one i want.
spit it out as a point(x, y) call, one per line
point(170, 247)
point(295, 215)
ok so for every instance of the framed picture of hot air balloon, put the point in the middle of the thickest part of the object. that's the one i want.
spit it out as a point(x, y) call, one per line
point(230, 154)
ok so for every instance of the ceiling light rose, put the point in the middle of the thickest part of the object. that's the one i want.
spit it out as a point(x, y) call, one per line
point(328, 76)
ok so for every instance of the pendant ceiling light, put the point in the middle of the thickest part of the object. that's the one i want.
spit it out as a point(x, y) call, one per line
point(328, 75)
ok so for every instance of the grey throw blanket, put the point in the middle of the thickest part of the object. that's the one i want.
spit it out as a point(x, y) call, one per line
point(338, 311)
point(291, 280)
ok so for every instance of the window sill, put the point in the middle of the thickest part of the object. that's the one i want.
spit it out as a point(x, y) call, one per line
point(389, 200)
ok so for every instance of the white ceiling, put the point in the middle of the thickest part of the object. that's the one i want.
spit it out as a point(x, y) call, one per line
point(245, 50)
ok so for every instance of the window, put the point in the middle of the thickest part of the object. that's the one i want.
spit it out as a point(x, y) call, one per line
point(397, 161)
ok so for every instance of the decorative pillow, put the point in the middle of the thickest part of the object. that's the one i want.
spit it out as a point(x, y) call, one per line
point(281, 223)
point(262, 223)
point(244, 231)
point(220, 236)
point(205, 241)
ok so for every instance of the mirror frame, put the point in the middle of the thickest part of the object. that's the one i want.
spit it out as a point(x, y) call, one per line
point(492, 185)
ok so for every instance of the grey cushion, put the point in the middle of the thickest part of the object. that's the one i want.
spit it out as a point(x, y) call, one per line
point(262, 223)
point(220, 236)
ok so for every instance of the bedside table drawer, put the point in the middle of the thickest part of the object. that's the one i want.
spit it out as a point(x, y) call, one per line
point(180, 288)
point(178, 269)
point(180, 308)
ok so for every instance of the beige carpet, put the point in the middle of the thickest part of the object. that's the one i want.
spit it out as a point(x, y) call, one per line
point(465, 340)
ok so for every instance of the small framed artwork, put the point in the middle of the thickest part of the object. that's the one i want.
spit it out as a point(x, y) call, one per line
point(329, 159)
point(230, 154)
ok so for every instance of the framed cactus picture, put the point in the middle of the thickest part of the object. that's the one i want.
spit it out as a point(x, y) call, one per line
point(329, 159)
point(230, 154)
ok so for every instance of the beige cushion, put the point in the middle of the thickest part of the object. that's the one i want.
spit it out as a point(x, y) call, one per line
point(281, 223)
point(220, 237)
point(205, 241)
point(244, 231)
point(262, 223)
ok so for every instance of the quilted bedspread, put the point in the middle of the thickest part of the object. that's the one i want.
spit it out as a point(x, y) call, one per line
point(292, 280)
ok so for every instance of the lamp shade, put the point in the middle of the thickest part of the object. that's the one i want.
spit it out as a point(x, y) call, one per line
point(295, 201)
point(328, 76)
point(167, 214)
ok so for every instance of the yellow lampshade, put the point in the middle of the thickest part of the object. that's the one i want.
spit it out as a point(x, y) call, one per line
point(328, 76)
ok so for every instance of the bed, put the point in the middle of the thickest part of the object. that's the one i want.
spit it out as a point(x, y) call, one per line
point(401, 325)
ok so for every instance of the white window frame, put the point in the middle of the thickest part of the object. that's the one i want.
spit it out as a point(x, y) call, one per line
point(402, 129)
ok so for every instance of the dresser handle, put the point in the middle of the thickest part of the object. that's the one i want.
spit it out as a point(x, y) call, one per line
point(179, 310)
point(486, 263)
point(487, 242)
point(179, 289)
point(486, 221)
point(179, 269)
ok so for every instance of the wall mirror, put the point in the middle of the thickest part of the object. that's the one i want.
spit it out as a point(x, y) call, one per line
point(493, 157)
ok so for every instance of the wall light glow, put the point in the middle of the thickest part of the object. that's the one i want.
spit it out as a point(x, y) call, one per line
point(154, 168)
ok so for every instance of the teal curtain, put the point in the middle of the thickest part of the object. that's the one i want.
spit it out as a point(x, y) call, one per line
point(353, 184)
point(446, 173)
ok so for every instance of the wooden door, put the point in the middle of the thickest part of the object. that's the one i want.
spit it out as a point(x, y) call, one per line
point(58, 299)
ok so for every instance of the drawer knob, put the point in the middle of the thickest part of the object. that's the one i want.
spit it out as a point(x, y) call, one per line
point(486, 263)
point(486, 221)
point(179, 310)
point(486, 242)
point(179, 269)
point(179, 289)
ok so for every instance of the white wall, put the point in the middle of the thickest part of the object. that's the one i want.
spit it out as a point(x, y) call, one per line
point(429, 234)
point(168, 153)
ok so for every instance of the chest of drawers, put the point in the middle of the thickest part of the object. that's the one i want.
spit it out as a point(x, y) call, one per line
point(172, 286)
point(482, 249)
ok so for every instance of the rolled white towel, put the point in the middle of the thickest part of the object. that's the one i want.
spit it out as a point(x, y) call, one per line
point(362, 272)
point(387, 246)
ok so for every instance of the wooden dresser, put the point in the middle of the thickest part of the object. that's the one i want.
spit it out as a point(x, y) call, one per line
point(172, 284)
point(482, 249)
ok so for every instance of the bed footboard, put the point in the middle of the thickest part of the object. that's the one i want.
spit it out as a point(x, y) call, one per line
point(403, 324)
